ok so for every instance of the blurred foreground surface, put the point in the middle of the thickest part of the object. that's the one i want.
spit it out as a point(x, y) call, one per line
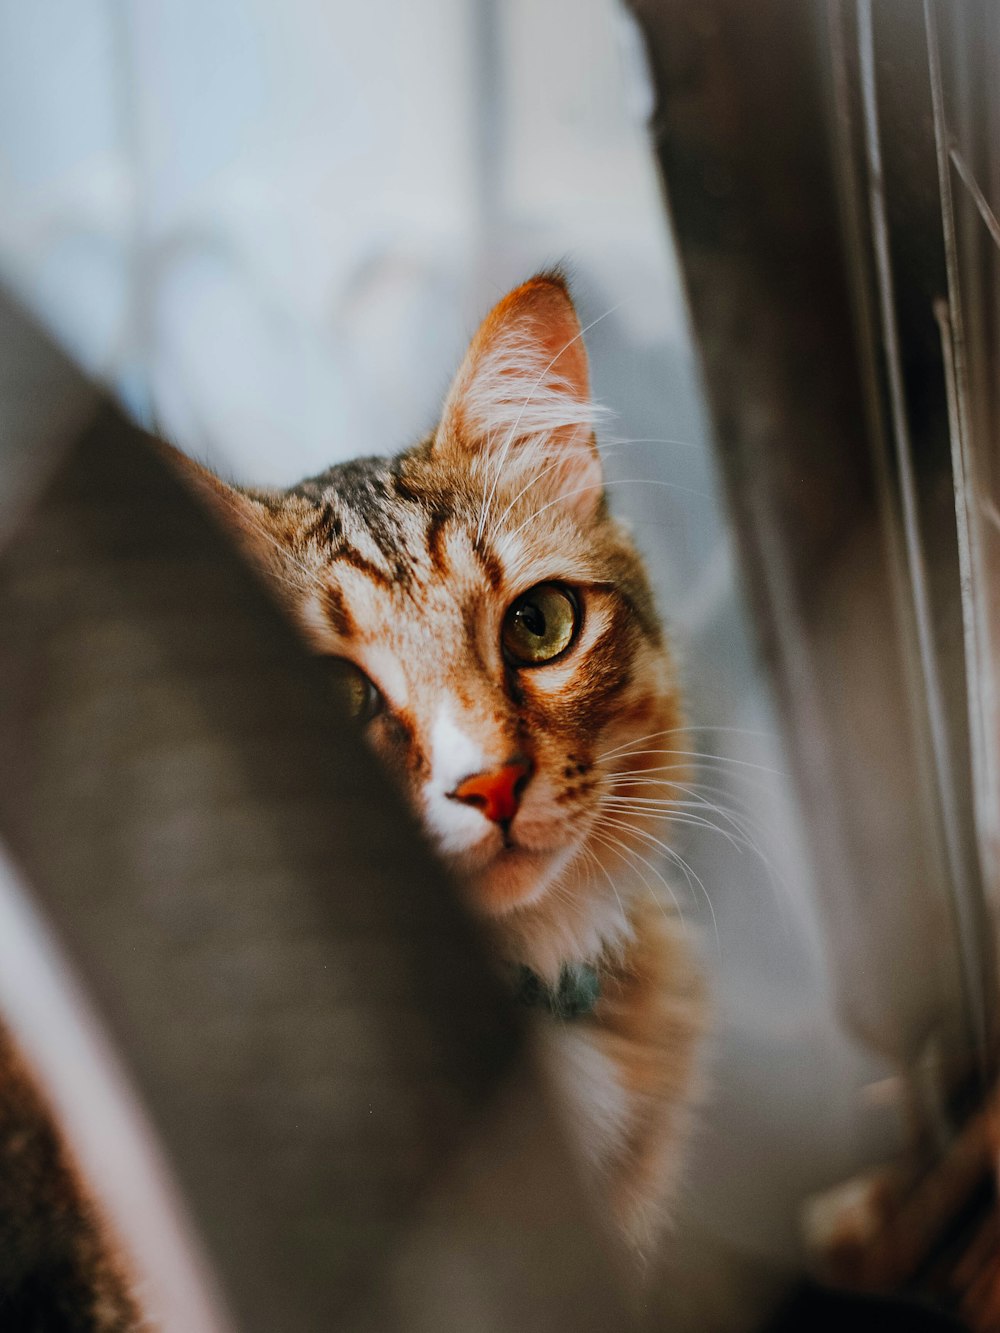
point(342, 1089)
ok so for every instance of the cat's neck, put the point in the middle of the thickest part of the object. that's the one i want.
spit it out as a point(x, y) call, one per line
point(579, 922)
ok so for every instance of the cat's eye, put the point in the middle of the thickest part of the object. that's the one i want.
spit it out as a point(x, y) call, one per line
point(353, 688)
point(540, 625)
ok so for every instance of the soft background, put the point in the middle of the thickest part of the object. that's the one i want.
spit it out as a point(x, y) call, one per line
point(272, 226)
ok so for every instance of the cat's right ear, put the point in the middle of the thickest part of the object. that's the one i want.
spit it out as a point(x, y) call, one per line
point(521, 399)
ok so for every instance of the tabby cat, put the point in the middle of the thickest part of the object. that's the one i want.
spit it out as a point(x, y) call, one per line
point(492, 628)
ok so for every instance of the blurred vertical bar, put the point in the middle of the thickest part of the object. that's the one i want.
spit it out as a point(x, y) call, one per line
point(797, 146)
point(340, 1083)
point(964, 42)
point(486, 114)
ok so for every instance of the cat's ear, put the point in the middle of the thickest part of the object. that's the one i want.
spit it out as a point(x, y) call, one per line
point(520, 403)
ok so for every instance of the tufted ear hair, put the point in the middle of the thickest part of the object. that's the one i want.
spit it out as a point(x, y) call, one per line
point(520, 405)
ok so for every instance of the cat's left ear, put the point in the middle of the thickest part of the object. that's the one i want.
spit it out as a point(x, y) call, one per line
point(520, 403)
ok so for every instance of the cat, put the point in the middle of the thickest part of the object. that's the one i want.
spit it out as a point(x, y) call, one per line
point(492, 628)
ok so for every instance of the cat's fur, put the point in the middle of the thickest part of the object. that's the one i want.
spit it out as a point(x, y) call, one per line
point(59, 1268)
point(406, 566)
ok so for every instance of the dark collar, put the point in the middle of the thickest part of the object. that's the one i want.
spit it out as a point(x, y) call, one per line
point(574, 996)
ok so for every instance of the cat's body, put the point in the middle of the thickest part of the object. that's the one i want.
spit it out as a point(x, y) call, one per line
point(540, 764)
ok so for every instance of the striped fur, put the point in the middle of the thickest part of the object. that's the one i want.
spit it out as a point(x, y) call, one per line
point(406, 567)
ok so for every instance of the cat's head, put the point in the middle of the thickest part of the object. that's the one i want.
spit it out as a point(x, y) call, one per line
point(493, 627)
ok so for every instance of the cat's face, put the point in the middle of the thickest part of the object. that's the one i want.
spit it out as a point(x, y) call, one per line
point(492, 625)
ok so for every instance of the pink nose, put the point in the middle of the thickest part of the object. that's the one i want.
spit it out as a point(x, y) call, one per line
point(497, 792)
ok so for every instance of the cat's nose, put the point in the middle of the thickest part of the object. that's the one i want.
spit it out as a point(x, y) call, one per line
point(496, 792)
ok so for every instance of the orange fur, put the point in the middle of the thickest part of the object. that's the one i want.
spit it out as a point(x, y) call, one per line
point(651, 1013)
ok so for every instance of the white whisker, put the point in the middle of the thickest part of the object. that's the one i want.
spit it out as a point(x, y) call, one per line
point(666, 810)
point(558, 462)
point(674, 856)
point(707, 758)
point(621, 849)
point(685, 729)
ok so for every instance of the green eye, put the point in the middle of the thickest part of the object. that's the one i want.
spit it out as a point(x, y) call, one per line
point(355, 691)
point(539, 625)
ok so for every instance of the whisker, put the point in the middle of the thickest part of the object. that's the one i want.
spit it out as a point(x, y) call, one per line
point(688, 871)
point(633, 791)
point(615, 776)
point(651, 839)
point(638, 740)
point(614, 887)
point(708, 758)
point(558, 462)
point(676, 857)
point(686, 729)
point(606, 823)
point(738, 819)
point(748, 835)
point(666, 811)
point(747, 828)
point(640, 777)
point(742, 824)
point(626, 853)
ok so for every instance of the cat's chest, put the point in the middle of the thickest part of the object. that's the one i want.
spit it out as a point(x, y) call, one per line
point(590, 1086)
